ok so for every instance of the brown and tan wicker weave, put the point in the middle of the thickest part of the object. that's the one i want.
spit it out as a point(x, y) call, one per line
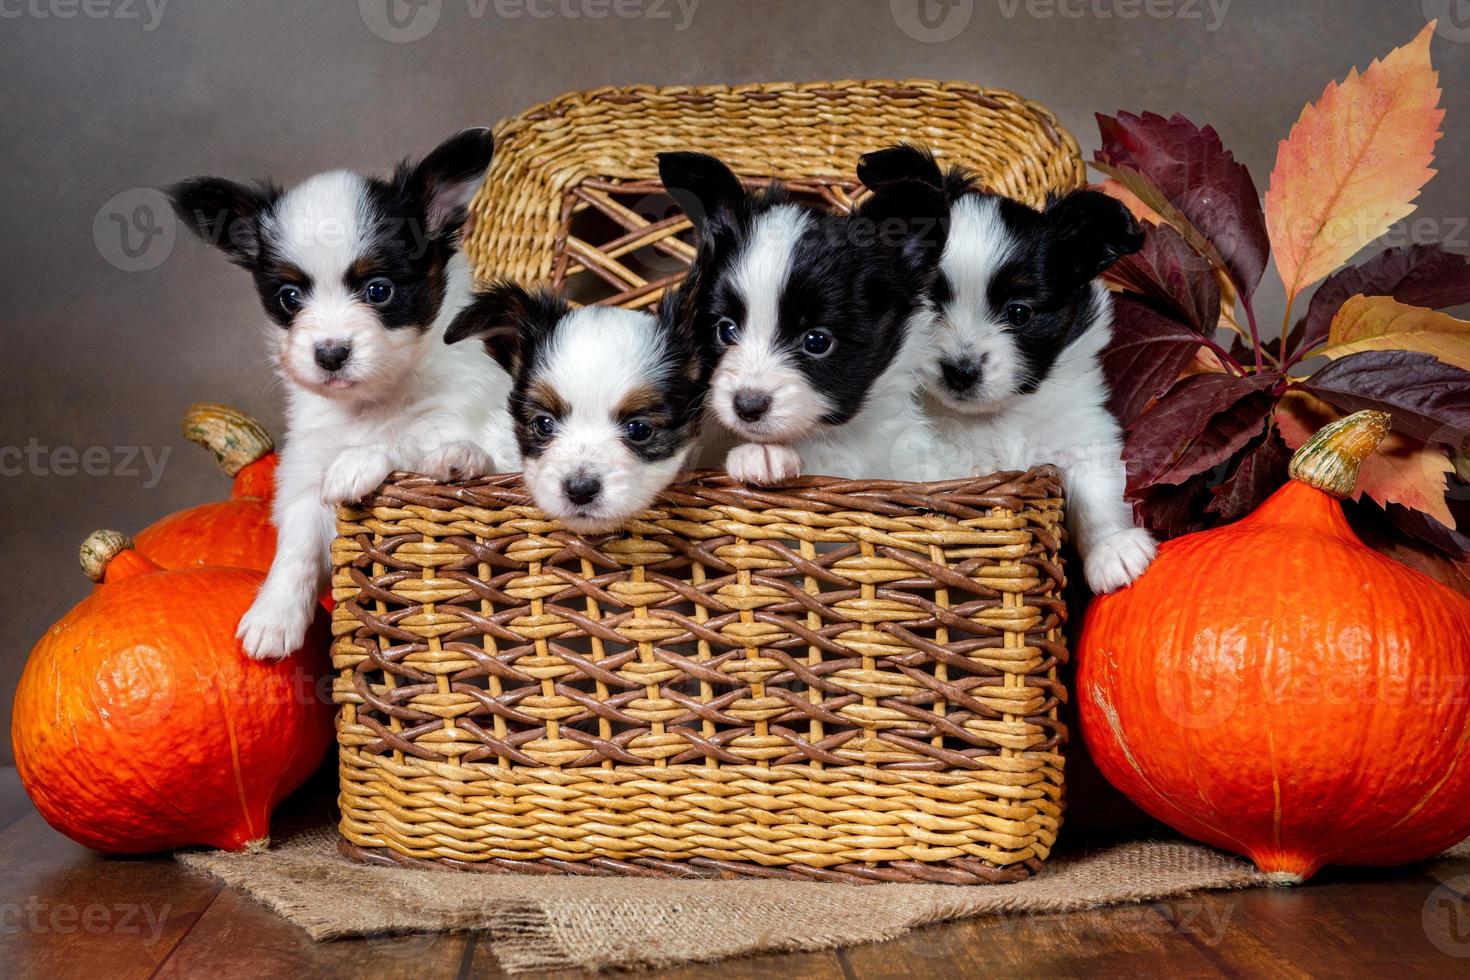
point(573, 197)
point(835, 680)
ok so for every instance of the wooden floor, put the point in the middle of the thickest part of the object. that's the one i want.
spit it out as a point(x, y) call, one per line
point(65, 912)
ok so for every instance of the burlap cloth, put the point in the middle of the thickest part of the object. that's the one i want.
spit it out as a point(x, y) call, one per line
point(538, 922)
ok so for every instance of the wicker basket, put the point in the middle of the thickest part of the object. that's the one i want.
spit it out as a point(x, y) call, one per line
point(833, 680)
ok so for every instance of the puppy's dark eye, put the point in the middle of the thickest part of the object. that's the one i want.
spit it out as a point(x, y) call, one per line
point(544, 426)
point(291, 298)
point(1017, 314)
point(727, 330)
point(817, 343)
point(378, 291)
point(639, 430)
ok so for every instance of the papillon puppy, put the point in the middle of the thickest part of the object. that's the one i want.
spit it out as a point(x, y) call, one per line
point(605, 402)
point(1012, 371)
point(359, 278)
point(808, 317)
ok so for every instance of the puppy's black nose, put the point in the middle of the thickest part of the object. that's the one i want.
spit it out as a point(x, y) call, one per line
point(581, 489)
point(332, 355)
point(750, 404)
point(960, 375)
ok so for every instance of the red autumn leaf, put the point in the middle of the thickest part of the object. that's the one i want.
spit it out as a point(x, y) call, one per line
point(1380, 533)
point(1353, 164)
point(1147, 354)
point(1262, 471)
point(1199, 177)
point(1422, 527)
point(1429, 400)
point(1419, 275)
point(1201, 422)
point(1171, 511)
point(1169, 271)
point(1140, 193)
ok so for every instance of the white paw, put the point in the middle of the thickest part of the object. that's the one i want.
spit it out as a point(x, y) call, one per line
point(1117, 561)
point(762, 463)
point(459, 460)
point(354, 474)
point(275, 625)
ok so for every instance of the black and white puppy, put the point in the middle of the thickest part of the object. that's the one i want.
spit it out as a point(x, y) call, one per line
point(359, 278)
point(807, 316)
point(605, 402)
point(1012, 370)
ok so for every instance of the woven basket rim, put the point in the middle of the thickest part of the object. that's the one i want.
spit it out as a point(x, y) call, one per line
point(984, 95)
point(820, 494)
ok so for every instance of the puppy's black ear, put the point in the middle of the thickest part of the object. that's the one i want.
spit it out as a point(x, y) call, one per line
point(901, 162)
point(508, 319)
point(702, 186)
point(224, 213)
point(1089, 232)
point(908, 162)
point(446, 179)
point(910, 216)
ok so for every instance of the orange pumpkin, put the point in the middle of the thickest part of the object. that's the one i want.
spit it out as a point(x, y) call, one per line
point(140, 725)
point(236, 532)
point(1277, 688)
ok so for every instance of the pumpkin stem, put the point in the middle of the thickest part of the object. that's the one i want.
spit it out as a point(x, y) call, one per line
point(100, 554)
point(1330, 460)
point(236, 439)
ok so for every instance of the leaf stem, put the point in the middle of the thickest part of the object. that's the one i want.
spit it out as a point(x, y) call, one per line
point(1250, 319)
point(1226, 361)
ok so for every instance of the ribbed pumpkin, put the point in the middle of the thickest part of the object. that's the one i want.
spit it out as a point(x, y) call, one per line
point(236, 532)
point(140, 725)
point(1277, 688)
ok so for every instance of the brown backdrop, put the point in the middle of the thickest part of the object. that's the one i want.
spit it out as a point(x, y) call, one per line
point(106, 339)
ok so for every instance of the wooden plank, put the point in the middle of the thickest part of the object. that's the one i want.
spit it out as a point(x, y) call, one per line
point(238, 937)
point(1351, 922)
point(824, 965)
point(67, 912)
point(1137, 940)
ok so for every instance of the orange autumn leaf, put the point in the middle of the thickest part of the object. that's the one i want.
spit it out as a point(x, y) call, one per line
point(1382, 323)
point(1402, 471)
point(1353, 164)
